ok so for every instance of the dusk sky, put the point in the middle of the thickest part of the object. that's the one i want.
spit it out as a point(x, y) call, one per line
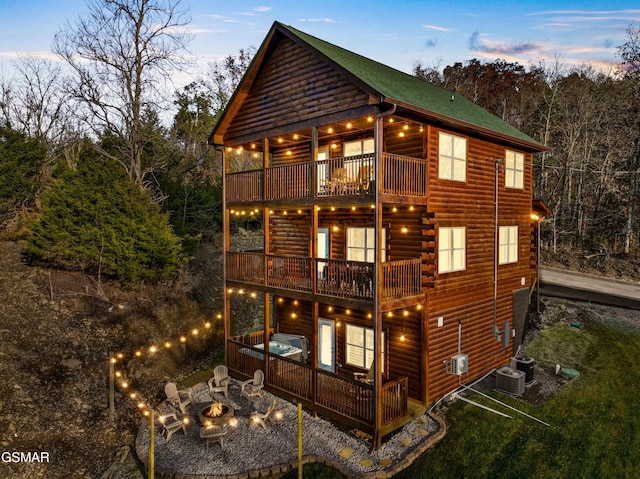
point(397, 33)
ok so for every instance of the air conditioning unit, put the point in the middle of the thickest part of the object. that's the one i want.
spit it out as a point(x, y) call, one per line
point(510, 381)
point(527, 365)
point(458, 364)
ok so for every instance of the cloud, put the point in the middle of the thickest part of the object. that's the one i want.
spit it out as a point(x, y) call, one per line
point(42, 55)
point(320, 20)
point(433, 27)
point(254, 11)
point(494, 48)
point(587, 13)
point(570, 18)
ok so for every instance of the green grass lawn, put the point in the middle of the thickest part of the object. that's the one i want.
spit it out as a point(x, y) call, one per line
point(594, 420)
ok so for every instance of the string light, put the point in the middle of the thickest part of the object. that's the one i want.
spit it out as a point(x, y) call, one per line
point(405, 313)
point(123, 384)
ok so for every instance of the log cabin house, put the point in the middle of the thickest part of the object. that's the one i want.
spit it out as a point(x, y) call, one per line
point(398, 253)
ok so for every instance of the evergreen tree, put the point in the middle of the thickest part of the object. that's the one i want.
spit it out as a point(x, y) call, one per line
point(96, 219)
point(21, 160)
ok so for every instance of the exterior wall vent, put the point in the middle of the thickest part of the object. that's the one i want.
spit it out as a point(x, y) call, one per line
point(510, 381)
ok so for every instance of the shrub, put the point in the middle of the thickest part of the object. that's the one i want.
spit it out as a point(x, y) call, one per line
point(95, 219)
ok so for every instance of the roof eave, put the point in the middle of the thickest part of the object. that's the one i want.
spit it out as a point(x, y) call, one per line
point(487, 132)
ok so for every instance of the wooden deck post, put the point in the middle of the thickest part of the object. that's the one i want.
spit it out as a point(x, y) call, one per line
point(226, 308)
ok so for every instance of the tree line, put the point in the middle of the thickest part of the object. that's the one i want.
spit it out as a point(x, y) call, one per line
point(93, 178)
point(590, 122)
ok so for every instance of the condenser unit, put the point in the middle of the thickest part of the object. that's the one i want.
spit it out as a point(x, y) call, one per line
point(510, 381)
point(458, 364)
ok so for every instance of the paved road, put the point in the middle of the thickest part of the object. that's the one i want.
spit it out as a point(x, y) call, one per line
point(563, 284)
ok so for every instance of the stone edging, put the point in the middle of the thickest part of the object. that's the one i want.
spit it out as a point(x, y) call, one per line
point(280, 469)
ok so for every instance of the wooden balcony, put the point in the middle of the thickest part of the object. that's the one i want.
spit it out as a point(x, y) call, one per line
point(336, 278)
point(339, 397)
point(347, 176)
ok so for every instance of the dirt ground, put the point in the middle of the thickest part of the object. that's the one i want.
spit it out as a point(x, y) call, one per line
point(57, 330)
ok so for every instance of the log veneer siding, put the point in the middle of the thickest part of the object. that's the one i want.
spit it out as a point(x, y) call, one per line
point(293, 86)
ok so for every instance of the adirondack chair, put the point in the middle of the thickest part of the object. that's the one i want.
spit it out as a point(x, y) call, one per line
point(365, 377)
point(219, 383)
point(253, 387)
point(179, 399)
point(171, 424)
point(213, 434)
point(262, 419)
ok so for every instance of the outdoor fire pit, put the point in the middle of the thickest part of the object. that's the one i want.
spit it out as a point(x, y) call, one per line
point(215, 414)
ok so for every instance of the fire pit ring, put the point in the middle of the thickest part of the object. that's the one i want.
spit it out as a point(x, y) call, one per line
point(222, 414)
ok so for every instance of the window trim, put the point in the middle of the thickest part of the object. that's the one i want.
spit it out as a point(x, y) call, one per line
point(514, 176)
point(383, 246)
point(364, 348)
point(451, 159)
point(451, 249)
point(508, 242)
point(362, 142)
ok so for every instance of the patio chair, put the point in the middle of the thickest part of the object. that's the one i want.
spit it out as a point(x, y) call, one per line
point(171, 424)
point(339, 180)
point(179, 399)
point(364, 178)
point(253, 387)
point(367, 377)
point(221, 375)
point(215, 388)
point(262, 419)
point(213, 434)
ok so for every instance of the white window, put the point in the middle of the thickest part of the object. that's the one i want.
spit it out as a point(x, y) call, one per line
point(361, 244)
point(359, 168)
point(451, 249)
point(514, 170)
point(360, 347)
point(452, 157)
point(508, 251)
point(358, 147)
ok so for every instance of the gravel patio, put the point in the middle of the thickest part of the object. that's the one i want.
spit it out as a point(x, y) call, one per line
point(251, 451)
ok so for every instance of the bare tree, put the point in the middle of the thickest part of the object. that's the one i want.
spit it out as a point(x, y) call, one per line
point(630, 54)
point(33, 101)
point(122, 54)
point(224, 76)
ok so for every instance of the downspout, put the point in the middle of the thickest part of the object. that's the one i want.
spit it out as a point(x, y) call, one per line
point(377, 325)
point(496, 253)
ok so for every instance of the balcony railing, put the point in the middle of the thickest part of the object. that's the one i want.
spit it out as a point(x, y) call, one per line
point(403, 175)
point(289, 272)
point(400, 279)
point(288, 181)
point(346, 176)
point(340, 395)
point(246, 267)
point(345, 279)
point(337, 278)
point(245, 186)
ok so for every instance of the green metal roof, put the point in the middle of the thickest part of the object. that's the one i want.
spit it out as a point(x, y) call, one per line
point(397, 86)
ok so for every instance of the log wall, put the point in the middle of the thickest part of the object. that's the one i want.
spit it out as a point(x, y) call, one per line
point(293, 86)
point(468, 296)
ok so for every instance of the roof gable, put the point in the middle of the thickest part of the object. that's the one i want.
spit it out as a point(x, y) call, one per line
point(293, 85)
point(382, 82)
point(409, 91)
